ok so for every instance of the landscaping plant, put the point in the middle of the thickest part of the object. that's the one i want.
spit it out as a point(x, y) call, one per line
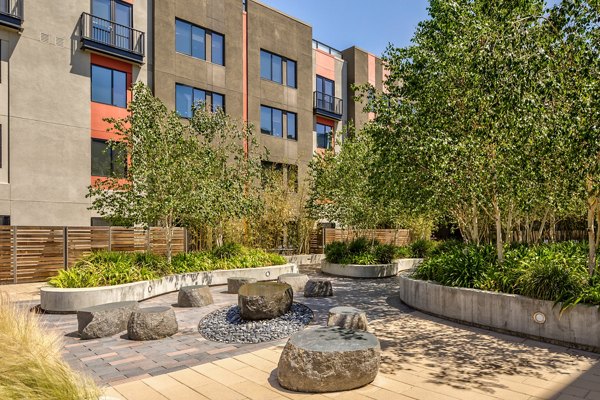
point(364, 251)
point(31, 367)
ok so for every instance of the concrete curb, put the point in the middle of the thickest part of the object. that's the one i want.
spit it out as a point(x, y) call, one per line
point(522, 316)
point(70, 300)
point(305, 259)
point(370, 271)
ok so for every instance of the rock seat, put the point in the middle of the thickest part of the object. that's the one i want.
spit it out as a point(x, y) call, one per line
point(235, 283)
point(296, 281)
point(329, 359)
point(194, 296)
point(104, 319)
point(152, 323)
point(318, 288)
point(264, 300)
point(348, 317)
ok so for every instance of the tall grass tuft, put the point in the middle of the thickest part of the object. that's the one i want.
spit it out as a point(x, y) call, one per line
point(30, 363)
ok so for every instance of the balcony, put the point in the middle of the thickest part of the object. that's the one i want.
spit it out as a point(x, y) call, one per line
point(327, 106)
point(107, 37)
point(11, 14)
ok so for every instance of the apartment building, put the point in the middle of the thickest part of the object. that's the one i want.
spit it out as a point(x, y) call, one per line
point(65, 66)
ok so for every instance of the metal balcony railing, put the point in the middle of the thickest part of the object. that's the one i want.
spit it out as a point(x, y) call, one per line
point(327, 105)
point(109, 37)
point(11, 13)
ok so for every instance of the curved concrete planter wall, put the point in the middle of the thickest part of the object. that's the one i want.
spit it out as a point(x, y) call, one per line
point(370, 271)
point(70, 300)
point(578, 326)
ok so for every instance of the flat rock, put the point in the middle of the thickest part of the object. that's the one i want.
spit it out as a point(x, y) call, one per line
point(329, 359)
point(235, 283)
point(318, 288)
point(348, 317)
point(105, 319)
point(296, 281)
point(264, 300)
point(152, 323)
point(194, 296)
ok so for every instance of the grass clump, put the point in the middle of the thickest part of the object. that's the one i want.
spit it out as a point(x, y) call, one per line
point(30, 363)
point(555, 272)
point(104, 268)
point(364, 251)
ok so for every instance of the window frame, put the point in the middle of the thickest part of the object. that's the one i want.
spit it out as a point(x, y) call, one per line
point(207, 93)
point(207, 32)
point(284, 116)
point(112, 85)
point(283, 68)
point(112, 157)
point(328, 136)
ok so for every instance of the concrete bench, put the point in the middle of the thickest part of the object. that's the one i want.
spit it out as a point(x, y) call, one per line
point(329, 359)
point(104, 319)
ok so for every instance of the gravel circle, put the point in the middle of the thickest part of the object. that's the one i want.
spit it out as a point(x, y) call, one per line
point(226, 325)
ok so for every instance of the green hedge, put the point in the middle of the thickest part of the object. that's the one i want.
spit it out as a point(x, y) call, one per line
point(556, 272)
point(105, 268)
point(364, 251)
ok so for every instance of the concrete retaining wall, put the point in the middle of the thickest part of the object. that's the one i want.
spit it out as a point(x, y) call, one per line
point(305, 259)
point(70, 300)
point(578, 326)
point(370, 271)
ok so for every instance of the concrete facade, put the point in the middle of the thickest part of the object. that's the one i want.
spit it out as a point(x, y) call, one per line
point(47, 118)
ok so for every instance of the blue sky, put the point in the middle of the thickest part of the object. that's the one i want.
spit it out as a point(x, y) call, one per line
point(369, 24)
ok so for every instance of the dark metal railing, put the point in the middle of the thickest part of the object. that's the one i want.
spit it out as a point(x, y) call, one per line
point(12, 8)
point(111, 34)
point(325, 102)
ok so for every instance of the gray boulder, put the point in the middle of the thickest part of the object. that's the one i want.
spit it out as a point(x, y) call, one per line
point(105, 319)
point(235, 283)
point(296, 281)
point(348, 317)
point(264, 300)
point(152, 323)
point(194, 296)
point(318, 288)
point(329, 359)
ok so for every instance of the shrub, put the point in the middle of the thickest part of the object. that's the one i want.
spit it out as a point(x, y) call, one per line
point(363, 251)
point(403, 252)
point(335, 252)
point(361, 245)
point(228, 250)
point(421, 248)
point(385, 253)
point(32, 367)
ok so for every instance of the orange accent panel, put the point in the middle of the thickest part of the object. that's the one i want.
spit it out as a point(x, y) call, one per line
point(325, 65)
point(371, 68)
point(95, 179)
point(245, 64)
point(100, 111)
point(325, 121)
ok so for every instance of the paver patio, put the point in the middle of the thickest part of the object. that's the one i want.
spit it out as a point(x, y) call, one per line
point(423, 357)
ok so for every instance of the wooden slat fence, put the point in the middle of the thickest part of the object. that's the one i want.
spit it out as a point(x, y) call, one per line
point(325, 236)
point(34, 254)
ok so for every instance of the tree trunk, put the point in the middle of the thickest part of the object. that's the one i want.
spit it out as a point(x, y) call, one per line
point(475, 223)
point(542, 226)
point(591, 216)
point(169, 237)
point(498, 221)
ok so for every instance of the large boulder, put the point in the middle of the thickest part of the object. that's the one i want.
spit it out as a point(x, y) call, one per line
point(348, 317)
point(235, 283)
point(152, 323)
point(329, 359)
point(104, 319)
point(264, 300)
point(296, 281)
point(318, 288)
point(194, 296)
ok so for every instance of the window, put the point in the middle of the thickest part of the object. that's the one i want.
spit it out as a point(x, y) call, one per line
point(109, 86)
point(107, 161)
point(272, 67)
point(324, 136)
point(272, 122)
point(187, 96)
point(116, 11)
point(217, 49)
point(291, 73)
point(291, 126)
point(4, 220)
point(325, 93)
point(190, 39)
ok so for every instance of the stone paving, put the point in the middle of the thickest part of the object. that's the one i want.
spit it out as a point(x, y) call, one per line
point(422, 357)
